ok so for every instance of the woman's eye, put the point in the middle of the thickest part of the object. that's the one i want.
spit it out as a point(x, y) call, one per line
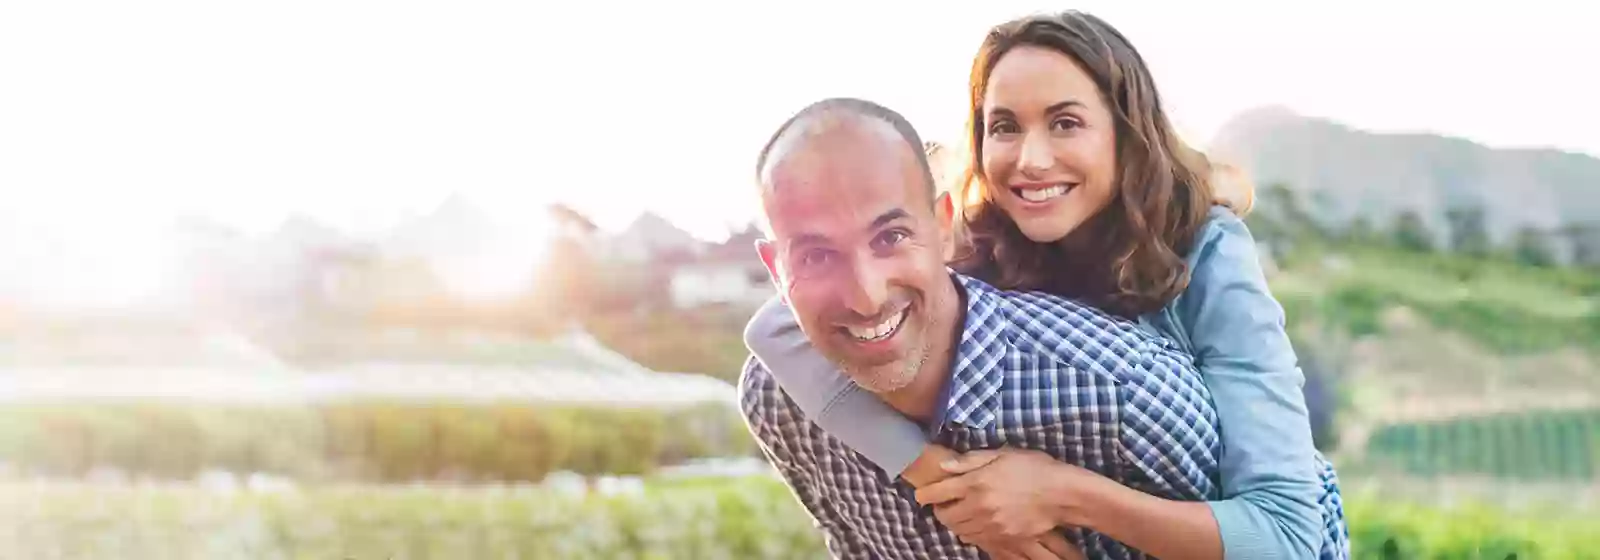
point(1003, 128)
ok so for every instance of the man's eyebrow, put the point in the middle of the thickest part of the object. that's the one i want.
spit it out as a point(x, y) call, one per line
point(805, 239)
point(887, 217)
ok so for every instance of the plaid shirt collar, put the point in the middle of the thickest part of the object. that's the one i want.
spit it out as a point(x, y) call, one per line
point(976, 375)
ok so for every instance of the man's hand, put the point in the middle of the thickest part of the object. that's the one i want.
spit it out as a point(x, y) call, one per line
point(1007, 495)
point(926, 469)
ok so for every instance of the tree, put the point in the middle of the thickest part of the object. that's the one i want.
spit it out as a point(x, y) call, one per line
point(1469, 232)
point(1532, 247)
point(1324, 360)
point(1411, 233)
point(565, 288)
point(1584, 239)
point(1360, 230)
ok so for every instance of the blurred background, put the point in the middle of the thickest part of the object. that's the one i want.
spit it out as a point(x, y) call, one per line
point(390, 280)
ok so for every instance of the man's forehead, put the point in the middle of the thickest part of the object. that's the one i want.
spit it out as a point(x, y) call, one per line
point(841, 185)
point(811, 138)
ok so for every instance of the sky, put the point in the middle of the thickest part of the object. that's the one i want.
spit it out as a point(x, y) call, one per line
point(116, 116)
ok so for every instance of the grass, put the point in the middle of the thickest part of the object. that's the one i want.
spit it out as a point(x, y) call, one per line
point(1527, 446)
point(743, 519)
point(1510, 308)
point(1385, 529)
point(754, 517)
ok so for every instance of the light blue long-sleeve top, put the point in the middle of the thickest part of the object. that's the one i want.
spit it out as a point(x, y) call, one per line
point(1226, 318)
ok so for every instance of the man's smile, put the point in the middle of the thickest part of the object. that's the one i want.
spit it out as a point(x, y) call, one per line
point(877, 335)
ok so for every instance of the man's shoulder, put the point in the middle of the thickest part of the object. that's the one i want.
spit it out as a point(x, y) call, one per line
point(761, 398)
point(1040, 314)
point(1074, 333)
point(755, 382)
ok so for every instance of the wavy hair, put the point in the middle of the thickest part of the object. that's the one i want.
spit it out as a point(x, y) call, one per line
point(1129, 258)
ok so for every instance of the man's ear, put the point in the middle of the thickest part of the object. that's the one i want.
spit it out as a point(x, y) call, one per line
point(945, 211)
point(769, 258)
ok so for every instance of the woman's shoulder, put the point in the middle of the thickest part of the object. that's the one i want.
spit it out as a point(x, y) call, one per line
point(1221, 241)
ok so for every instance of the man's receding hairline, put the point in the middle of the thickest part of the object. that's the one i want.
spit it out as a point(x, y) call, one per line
point(831, 113)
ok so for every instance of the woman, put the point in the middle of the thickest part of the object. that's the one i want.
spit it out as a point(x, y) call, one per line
point(1077, 185)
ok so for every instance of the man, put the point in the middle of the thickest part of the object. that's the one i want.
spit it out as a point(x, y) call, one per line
point(857, 250)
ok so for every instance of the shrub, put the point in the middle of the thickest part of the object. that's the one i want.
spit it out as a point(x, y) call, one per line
point(754, 517)
point(380, 441)
point(1385, 529)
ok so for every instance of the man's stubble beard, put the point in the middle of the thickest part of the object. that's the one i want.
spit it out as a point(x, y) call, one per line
point(879, 381)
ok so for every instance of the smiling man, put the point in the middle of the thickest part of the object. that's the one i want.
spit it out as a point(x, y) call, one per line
point(1077, 399)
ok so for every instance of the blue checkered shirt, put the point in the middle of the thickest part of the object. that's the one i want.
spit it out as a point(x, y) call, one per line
point(1031, 371)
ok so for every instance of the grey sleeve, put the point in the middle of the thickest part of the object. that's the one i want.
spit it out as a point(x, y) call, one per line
point(828, 398)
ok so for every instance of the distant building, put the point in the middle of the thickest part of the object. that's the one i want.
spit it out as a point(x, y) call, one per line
point(472, 255)
point(728, 274)
point(651, 237)
point(570, 224)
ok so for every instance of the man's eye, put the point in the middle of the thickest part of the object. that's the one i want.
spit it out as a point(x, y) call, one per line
point(891, 238)
point(815, 258)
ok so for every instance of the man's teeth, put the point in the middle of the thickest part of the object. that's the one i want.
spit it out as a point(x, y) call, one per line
point(879, 331)
point(1041, 195)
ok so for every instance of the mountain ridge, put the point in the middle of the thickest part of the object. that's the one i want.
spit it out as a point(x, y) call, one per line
point(1345, 172)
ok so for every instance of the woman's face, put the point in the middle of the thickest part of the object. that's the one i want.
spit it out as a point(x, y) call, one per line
point(1049, 143)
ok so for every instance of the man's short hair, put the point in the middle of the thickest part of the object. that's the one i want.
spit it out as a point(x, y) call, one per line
point(846, 106)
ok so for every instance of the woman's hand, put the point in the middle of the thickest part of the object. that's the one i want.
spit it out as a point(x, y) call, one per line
point(931, 467)
point(1011, 494)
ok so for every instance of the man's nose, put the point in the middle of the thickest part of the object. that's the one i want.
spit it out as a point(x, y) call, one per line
point(867, 290)
point(1036, 156)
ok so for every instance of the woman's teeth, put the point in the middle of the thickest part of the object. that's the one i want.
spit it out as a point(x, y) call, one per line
point(1041, 195)
point(879, 331)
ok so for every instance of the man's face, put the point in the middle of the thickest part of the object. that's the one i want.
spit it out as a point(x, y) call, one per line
point(858, 252)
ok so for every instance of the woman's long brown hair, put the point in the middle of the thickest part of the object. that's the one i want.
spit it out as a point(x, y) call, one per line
point(1129, 258)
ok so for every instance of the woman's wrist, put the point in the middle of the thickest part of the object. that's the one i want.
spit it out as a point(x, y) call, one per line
point(1085, 501)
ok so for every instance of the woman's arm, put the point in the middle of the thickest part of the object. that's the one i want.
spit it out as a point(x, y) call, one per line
point(1163, 528)
point(1270, 486)
point(1006, 490)
point(836, 404)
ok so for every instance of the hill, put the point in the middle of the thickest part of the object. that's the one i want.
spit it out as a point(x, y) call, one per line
point(1345, 174)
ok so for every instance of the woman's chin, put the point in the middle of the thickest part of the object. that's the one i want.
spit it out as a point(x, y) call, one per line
point(1051, 232)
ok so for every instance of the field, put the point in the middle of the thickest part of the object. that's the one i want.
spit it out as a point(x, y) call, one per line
point(752, 517)
point(1527, 446)
point(363, 441)
point(1504, 307)
point(1466, 406)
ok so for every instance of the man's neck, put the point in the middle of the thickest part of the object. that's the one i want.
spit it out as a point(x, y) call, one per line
point(919, 399)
